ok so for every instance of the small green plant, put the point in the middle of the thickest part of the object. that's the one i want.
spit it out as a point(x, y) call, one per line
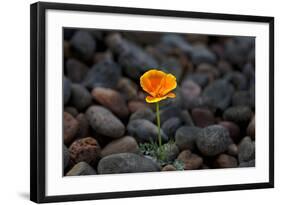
point(149, 149)
point(179, 165)
point(160, 154)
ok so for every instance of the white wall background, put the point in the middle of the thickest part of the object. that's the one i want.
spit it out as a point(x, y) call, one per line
point(14, 100)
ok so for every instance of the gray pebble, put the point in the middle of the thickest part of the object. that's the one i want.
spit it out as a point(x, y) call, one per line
point(81, 168)
point(126, 163)
point(104, 122)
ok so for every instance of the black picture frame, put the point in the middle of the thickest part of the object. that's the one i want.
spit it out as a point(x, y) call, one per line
point(38, 100)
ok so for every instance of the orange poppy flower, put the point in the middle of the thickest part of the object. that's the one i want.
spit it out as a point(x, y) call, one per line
point(158, 85)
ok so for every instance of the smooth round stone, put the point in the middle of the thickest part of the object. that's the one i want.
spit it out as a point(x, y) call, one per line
point(145, 113)
point(190, 90)
point(251, 163)
point(112, 100)
point(224, 67)
point(126, 163)
point(232, 150)
point(71, 110)
point(202, 117)
point(145, 131)
point(237, 79)
point(66, 90)
point(169, 167)
point(208, 69)
point(246, 150)
point(76, 70)
point(170, 126)
point(104, 122)
point(127, 88)
point(249, 71)
point(238, 114)
point(220, 93)
point(135, 105)
point(186, 118)
point(83, 45)
point(242, 98)
point(200, 79)
point(125, 144)
point(225, 161)
point(177, 41)
point(65, 156)
point(84, 127)
point(103, 74)
point(251, 129)
point(169, 112)
point(214, 140)
point(233, 129)
point(191, 161)
point(81, 168)
point(86, 149)
point(136, 61)
point(70, 128)
point(103, 56)
point(186, 136)
point(133, 59)
point(218, 50)
point(201, 54)
point(80, 97)
point(200, 102)
point(237, 50)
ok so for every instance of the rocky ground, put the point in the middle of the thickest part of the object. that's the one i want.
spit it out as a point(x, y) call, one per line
point(108, 125)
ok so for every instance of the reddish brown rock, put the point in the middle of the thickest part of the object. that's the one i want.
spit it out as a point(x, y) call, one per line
point(123, 145)
point(202, 117)
point(233, 129)
point(135, 105)
point(190, 160)
point(70, 128)
point(141, 95)
point(86, 149)
point(169, 167)
point(112, 100)
point(225, 161)
point(232, 150)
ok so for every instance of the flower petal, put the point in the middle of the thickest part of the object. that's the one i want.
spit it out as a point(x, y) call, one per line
point(151, 99)
point(167, 85)
point(171, 95)
point(151, 81)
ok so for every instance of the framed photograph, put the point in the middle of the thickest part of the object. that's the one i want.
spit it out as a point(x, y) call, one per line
point(129, 102)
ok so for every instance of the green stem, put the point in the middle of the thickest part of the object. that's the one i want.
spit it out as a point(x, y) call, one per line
point(158, 124)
